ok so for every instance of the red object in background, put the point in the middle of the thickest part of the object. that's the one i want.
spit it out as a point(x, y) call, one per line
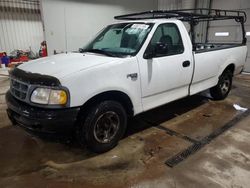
point(14, 60)
point(44, 52)
point(19, 56)
point(1, 54)
point(44, 49)
point(23, 58)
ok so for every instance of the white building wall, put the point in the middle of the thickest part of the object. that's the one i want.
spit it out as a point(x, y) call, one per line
point(20, 26)
point(176, 4)
point(69, 25)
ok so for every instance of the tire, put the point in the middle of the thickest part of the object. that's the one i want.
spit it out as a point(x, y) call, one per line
point(222, 89)
point(102, 127)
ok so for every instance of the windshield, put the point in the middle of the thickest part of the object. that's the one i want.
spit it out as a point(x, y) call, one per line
point(120, 39)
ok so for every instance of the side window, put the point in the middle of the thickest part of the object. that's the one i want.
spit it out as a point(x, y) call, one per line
point(166, 41)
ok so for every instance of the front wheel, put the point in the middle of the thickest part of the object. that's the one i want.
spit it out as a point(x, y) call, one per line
point(103, 126)
point(222, 89)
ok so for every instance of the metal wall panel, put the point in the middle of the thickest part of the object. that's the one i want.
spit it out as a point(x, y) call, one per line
point(232, 27)
point(20, 25)
point(175, 4)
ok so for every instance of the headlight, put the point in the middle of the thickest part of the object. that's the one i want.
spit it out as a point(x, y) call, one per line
point(49, 96)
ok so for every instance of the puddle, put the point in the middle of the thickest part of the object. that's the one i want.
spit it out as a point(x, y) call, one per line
point(21, 153)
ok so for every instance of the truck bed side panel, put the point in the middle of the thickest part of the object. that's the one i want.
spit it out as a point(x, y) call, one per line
point(210, 65)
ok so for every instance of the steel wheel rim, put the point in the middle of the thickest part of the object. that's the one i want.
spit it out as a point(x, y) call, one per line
point(225, 86)
point(106, 127)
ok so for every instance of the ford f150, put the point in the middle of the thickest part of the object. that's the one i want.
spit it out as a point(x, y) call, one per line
point(141, 62)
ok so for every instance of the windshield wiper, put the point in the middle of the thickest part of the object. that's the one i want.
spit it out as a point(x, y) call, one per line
point(98, 51)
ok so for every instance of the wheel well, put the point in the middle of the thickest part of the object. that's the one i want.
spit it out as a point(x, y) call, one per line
point(230, 67)
point(111, 95)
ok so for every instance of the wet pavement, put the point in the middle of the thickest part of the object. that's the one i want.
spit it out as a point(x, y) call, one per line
point(139, 160)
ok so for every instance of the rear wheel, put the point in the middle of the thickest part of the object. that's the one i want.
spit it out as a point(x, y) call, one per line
point(222, 89)
point(103, 126)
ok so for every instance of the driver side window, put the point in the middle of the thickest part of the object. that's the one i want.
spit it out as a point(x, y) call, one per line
point(166, 41)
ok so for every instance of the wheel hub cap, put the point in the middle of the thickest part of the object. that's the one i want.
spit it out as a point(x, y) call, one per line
point(225, 86)
point(106, 127)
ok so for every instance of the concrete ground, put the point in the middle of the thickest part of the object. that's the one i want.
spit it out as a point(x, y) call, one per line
point(216, 135)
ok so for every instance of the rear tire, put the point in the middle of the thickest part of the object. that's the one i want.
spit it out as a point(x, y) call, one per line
point(103, 126)
point(222, 89)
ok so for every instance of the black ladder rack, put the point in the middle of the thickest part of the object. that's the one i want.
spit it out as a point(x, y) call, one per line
point(195, 15)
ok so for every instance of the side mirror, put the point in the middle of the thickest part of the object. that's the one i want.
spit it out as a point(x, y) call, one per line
point(81, 50)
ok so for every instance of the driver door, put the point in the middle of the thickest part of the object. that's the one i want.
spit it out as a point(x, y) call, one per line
point(166, 75)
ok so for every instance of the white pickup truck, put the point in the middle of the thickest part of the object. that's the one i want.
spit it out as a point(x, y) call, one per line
point(130, 67)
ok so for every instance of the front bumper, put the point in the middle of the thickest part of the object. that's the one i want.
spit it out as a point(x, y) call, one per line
point(41, 120)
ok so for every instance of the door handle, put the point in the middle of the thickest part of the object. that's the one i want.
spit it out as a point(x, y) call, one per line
point(186, 64)
point(133, 76)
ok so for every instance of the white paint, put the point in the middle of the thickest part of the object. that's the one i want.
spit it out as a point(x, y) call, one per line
point(221, 34)
point(157, 83)
point(215, 63)
point(60, 65)
point(160, 80)
point(247, 33)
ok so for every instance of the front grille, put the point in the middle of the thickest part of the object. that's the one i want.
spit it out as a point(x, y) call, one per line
point(19, 89)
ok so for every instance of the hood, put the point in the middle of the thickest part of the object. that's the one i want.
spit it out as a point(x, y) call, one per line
point(62, 65)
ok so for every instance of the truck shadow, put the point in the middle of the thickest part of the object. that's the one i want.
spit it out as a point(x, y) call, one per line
point(164, 113)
